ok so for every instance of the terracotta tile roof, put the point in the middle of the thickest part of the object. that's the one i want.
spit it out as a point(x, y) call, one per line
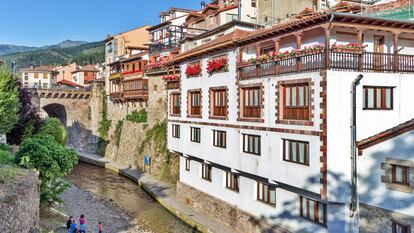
point(69, 83)
point(386, 135)
point(39, 69)
point(90, 68)
point(388, 6)
point(286, 26)
point(220, 42)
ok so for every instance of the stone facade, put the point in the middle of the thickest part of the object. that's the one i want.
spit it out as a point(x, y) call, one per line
point(157, 100)
point(19, 204)
point(131, 137)
point(378, 220)
point(238, 220)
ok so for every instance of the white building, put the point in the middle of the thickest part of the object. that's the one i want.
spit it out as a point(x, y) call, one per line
point(43, 77)
point(265, 141)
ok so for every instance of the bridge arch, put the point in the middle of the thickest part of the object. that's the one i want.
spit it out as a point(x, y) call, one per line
point(58, 111)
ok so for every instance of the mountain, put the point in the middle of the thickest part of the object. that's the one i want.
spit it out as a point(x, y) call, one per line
point(9, 49)
point(69, 44)
point(68, 51)
point(6, 48)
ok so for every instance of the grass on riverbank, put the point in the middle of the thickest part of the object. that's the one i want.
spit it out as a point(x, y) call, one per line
point(7, 168)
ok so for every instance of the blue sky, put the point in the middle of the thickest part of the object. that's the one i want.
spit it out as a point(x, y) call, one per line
point(45, 22)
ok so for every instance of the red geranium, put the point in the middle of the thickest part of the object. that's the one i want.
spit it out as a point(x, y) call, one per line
point(170, 77)
point(193, 70)
point(217, 64)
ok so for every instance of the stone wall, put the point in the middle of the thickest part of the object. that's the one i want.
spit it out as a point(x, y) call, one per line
point(157, 100)
point(374, 219)
point(238, 220)
point(19, 204)
point(133, 134)
point(131, 137)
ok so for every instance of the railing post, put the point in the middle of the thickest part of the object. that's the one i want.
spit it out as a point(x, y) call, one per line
point(395, 55)
point(327, 45)
point(360, 59)
point(276, 68)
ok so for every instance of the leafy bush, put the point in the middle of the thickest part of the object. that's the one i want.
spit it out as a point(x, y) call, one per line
point(137, 116)
point(54, 128)
point(5, 156)
point(118, 132)
point(51, 159)
point(104, 126)
point(9, 101)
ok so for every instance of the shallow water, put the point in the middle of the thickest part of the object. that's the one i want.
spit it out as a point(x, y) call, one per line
point(129, 196)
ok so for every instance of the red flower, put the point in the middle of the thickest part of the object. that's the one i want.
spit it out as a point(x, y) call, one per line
point(215, 65)
point(193, 70)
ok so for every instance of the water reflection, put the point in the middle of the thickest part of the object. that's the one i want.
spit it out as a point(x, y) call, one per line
point(129, 196)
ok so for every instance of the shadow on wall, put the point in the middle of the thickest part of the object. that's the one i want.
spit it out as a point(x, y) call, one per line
point(370, 190)
point(78, 136)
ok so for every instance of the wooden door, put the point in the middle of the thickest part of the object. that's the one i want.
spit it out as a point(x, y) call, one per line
point(379, 43)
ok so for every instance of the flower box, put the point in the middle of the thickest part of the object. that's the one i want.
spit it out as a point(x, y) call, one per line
point(170, 77)
point(348, 48)
point(193, 70)
point(217, 64)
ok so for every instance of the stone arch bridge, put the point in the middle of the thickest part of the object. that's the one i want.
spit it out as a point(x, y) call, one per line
point(78, 110)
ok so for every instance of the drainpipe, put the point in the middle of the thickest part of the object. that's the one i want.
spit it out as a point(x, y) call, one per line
point(239, 5)
point(354, 192)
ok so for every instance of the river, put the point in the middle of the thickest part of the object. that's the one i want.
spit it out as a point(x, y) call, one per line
point(129, 196)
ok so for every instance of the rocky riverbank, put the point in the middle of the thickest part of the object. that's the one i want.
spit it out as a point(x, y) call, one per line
point(77, 201)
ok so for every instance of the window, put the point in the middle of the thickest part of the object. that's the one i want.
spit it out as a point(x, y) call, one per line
point(187, 164)
point(195, 103)
point(44, 75)
point(230, 17)
point(176, 131)
point(266, 193)
point(26, 76)
point(36, 75)
point(155, 88)
point(219, 138)
point(296, 151)
point(313, 210)
point(254, 3)
point(400, 228)
point(219, 102)
point(232, 181)
point(251, 144)
point(252, 102)
point(211, 20)
point(195, 134)
point(45, 85)
point(175, 103)
point(378, 98)
point(26, 84)
point(206, 171)
point(400, 174)
point(296, 101)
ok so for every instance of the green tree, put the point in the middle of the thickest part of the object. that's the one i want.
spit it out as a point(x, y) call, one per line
point(52, 160)
point(54, 128)
point(9, 101)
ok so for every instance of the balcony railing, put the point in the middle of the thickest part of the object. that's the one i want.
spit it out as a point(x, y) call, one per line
point(172, 85)
point(365, 61)
point(135, 94)
point(116, 95)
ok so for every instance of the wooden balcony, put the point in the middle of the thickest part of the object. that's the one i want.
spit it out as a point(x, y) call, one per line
point(116, 96)
point(173, 85)
point(348, 61)
point(140, 94)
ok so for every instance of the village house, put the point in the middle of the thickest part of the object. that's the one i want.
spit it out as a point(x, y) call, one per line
point(42, 77)
point(261, 121)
